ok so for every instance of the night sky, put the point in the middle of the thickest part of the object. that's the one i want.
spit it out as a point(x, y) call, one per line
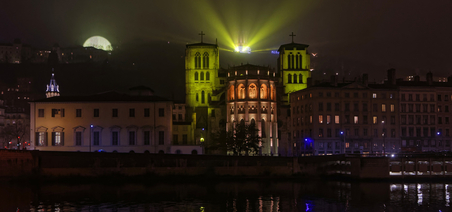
point(351, 37)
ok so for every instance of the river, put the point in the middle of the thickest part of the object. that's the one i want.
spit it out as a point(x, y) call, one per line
point(246, 196)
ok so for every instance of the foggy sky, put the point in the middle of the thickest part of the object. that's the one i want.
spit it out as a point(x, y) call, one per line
point(364, 36)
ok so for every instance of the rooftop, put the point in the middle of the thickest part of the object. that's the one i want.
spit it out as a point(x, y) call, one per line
point(110, 96)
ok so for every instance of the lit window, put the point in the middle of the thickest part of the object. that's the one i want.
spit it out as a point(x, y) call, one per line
point(374, 95)
point(374, 119)
point(310, 119)
point(383, 107)
point(328, 119)
point(355, 119)
point(392, 108)
point(347, 145)
point(336, 119)
point(320, 119)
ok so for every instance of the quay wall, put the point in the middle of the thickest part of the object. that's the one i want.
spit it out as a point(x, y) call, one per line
point(64, 164)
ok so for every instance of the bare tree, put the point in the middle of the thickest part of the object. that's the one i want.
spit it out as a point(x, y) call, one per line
point(6, 135)
point(16, 131)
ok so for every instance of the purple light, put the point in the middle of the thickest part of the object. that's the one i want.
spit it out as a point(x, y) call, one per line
point(274, 52)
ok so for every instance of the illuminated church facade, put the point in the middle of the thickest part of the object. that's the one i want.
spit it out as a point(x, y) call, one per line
point(218, 99)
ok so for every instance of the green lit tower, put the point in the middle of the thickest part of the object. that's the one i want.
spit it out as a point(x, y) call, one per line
point(294, 67)
point(201, 82)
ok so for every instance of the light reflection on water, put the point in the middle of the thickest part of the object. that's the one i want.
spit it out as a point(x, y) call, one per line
point(249, 196)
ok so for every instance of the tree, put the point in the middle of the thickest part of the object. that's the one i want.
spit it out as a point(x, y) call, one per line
point(6, 135)
point(243, 139)
point(16, 131)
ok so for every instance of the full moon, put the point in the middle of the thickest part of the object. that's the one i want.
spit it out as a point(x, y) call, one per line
point(98, 42)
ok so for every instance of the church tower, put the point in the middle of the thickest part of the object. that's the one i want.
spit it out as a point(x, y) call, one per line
point(201, 83)
point(294, 67)
point(53, 89)
point(201, 71)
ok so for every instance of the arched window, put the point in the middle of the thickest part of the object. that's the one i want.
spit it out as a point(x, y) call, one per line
point(272, 96)
point(197, 60)
point(263, 128)
point(252, 91)
point(242, 122)
point(289, 61)
point(202, 75)
point(289, 78)
point(253, 123)
point(207, 75)
point(241, 91)
point(295, 78)
point(264, 91)
point(203, 98)
point(299, 61)
point(205, 60)
point(292, 62)
point(208, 97)
point(231, 93)
point(296, 62)
point(197, 97)
point(196, 75)
point(300, 79)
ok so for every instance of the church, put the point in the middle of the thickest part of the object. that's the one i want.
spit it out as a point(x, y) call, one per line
point(218, 99)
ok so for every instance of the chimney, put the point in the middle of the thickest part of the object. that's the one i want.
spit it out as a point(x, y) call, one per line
point(417, 78)
point(365, 79)
point(429, 78)
point(309, 82)
point(334, 80)
point(391, 76)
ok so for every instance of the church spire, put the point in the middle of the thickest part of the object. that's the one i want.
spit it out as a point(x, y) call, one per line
point(53, 89)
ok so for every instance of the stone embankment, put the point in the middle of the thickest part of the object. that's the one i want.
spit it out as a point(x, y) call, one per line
point(87, 164)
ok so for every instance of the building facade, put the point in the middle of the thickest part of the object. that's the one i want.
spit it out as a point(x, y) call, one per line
point(251, 100)
point(376, 119)
point(110, 122)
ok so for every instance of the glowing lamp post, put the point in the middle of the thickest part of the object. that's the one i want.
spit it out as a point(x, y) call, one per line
point(90, 135)
point(343, 140)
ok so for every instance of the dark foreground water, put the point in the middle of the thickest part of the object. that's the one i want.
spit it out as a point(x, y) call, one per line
point(268, 196)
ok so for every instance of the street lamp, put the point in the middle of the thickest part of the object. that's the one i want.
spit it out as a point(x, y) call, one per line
point(343, 140)
point(90, 135)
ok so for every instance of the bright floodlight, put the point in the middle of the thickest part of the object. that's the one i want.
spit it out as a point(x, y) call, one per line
point(98, 42)
point(243, 49)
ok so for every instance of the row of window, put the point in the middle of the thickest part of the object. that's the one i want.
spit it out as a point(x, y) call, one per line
point(201, 76)
point(326, 119)
point(58, 139)
point(416, 132)
point(346, 95)
point(339, 133)
point(425, 108)
point(96, 112)
point(424, 97)
point(300, 78)
point(425, 143)
point(205, 60)
point(417, 97)
point(422, 119)
point(252, 91)
point(294, 61)
point(203, 97)
point(308, 107)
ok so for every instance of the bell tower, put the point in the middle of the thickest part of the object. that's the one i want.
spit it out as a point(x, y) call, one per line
point(201, 87)
point(294, 67)
point(201, 71)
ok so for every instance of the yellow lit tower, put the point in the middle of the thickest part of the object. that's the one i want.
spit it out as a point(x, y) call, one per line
point(294, 67)
point(201, 82)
